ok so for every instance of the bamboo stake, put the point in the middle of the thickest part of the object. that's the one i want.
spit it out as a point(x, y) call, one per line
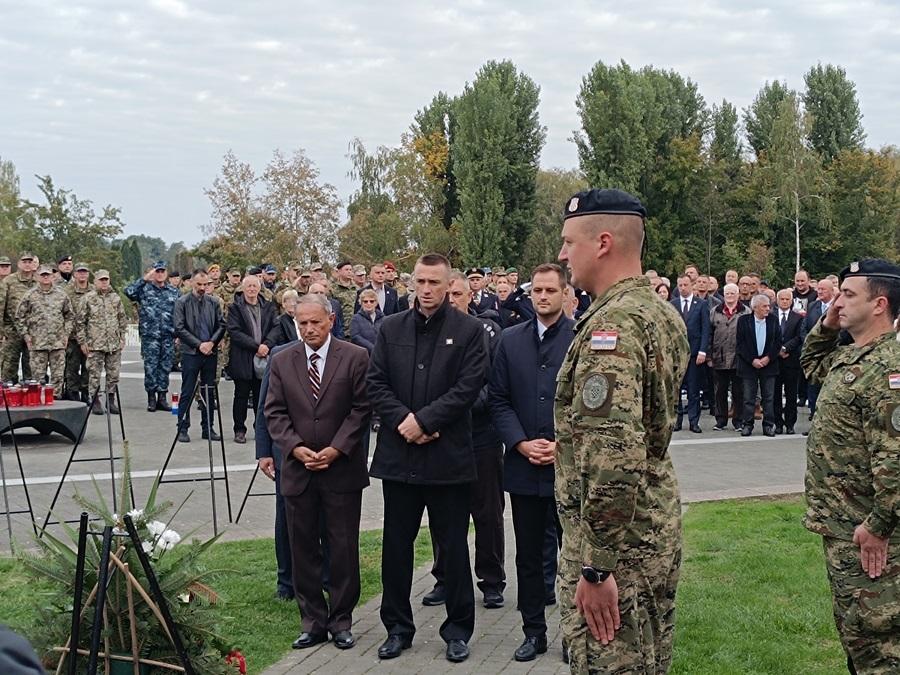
point(117, 657)
point(146, 598)
point(133, 619)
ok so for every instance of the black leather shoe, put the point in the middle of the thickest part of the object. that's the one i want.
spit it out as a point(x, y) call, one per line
point(211, 436)
point(161, 401)
point(769, 432)
point(746, 431)
point(284, 596)
point(677, 427)
point(394, 646)
point(457, 651)
point(436, 596)
point(151, 402)
point(343, 639)
point(533, 645)
point(779, 431)
point(183, 437)
point(790, 431)
point(240, 437)
point(307, 640)
point(493, 599)
point(696, 429)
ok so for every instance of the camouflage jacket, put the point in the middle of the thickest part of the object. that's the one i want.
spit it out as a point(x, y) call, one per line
point(853, 450)
point(616, 490)
point(12, 289)
point(100, 322)
point(46, 318)
point(76, 295)
point(346, 295)
point(226, 292)
point(155, 307)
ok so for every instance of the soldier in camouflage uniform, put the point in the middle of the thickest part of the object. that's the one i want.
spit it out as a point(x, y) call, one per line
point(344, 291)
point(853, 461)
point(225, 292)
point(5, 267)
point(100, 327)
point(76, 383)
point(616, 492)
point(12, 290)
point(44, 319)
point(156, 299)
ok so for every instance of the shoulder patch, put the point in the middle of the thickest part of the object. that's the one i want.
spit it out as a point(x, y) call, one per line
point(894, 420)
point(595, 392)
point(894, 380)
point(604, 340)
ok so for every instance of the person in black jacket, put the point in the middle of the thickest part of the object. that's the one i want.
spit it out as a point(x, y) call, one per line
point(522, 390)
point(199, 326)
point(426, 372)
point(284, 330)
point(758, 346)
point(487, 502)
point(250, 320)
point(791, 325)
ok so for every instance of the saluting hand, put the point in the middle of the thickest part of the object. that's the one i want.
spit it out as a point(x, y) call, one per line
point(599, 605)
point(872, 551)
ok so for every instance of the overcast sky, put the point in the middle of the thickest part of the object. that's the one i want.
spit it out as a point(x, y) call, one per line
point(135, 103)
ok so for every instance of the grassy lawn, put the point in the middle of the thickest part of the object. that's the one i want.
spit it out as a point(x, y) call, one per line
point(753, 597)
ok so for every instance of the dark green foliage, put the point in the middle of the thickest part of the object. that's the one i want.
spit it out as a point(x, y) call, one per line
point(830, 101)
point(759, 118)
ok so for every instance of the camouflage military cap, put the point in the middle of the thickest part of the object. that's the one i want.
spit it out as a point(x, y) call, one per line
point(305, 273)
point(82, 267)
point(160, 265)
point(876, 268)
point(4, 260)
point(498, 270)
point(612, 202)
point(234, 271)
point(26, 255)
point(214, 268)
point(101, 274)
point(359, 269)
point(294, 265)
point(316, 267)
point(45, 269)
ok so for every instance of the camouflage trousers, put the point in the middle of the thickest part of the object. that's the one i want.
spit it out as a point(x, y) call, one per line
point(866, 611)
point(76, 369)
point(646, 608)
point(97, 362)
point(55, 359)
point(14, 349)
point(158, 355)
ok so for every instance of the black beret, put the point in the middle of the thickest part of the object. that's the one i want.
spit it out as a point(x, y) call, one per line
point(876, 268)
point(65, 258)
point(607, 201)
point(474, 272)
point(254, 270)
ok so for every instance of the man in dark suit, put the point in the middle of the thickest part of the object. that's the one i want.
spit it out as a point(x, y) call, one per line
point(816, 309)
point(317, 412)
point(790, 323)
point(522, 391)
point(482, 299)
point(426, 372)
point(758, 346)
point(695, 313)
point(387, 296)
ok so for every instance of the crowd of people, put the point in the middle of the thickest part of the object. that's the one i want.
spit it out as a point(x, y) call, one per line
point(561, 390)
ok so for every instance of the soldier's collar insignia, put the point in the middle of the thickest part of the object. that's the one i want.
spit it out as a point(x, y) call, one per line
point(573, 205)
point(849, 376)
point(894, 380)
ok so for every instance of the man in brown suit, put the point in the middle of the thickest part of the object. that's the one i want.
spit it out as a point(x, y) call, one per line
point(317, 413)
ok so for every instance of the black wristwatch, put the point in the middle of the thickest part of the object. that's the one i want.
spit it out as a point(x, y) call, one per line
point(593, 575)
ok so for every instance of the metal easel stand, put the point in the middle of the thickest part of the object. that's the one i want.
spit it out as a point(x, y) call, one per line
point(7, 512)
point(110, 457)
point(251, 494)
point(207, 391)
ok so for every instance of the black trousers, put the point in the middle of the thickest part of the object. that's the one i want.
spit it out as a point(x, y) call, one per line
point(786, 386)
point(486, 506)
point(448, 519)
point(765, 385)
point(194, 366)
point(244, 390)
point(527, 511)
point(725, 380)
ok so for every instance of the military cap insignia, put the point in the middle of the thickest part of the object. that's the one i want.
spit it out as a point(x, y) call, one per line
point(573, 205)
point(595, 392)
point(854, 267)
point(849, 377)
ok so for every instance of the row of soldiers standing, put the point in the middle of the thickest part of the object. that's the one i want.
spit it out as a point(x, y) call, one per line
point(56, 321)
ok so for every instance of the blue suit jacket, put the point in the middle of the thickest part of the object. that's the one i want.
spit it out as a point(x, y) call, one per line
point(697, 322)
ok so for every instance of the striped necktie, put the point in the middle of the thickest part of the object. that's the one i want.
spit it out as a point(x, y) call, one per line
point(314, 380)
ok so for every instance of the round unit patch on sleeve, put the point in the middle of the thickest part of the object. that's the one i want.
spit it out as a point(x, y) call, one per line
point(895, 419)
point(595, 392)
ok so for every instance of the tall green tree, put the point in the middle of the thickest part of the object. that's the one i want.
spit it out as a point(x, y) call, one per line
point(132, 263)
point(432, 135)
point(495, 148)
point(759, 117)
point(835, 118)
point(553, 189)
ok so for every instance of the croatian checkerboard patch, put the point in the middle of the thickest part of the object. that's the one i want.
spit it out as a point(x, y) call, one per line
point(604, 340)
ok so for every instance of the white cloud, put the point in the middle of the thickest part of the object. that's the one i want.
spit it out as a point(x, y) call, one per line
point(175, 8)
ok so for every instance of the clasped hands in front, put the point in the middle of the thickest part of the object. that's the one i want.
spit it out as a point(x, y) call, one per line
point(411, 431)
point(315, 461)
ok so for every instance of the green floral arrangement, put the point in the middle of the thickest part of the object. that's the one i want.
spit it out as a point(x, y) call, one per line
point(176, 563)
